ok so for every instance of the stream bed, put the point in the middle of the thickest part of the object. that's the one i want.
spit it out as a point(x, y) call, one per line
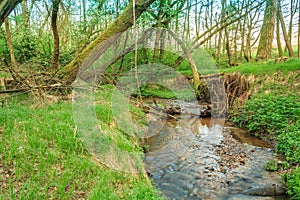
point(194, 158)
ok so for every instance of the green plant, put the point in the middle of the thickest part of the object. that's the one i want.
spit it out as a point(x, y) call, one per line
point(289, 143)
point(271, 165)
point(267, 115)
point(292, 181)
point(284, 165)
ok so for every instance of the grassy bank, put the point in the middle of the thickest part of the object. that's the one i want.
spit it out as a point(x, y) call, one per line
point(42, 157)
point(265, 67)
point(273, 113)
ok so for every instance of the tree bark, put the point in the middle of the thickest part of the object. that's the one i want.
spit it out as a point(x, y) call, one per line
point(25, 14)
point(196, 76)
point(121, 24)
point(6, 6)
point(280, 50)
point(159, 32)
point(11, 48)
point(285, 34)
point(55, 35)
point(299, 31)
point(267, 32)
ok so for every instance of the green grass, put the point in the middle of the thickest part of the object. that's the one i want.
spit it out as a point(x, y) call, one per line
point(165, 93)
point(263, 67)
point(42, 157)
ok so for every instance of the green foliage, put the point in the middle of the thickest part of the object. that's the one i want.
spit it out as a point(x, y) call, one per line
point(267, 114)
point(25, 46)
point(159, 91)
point(292, 181)
point(271, 165)
point(275, 165)
point(288, 142)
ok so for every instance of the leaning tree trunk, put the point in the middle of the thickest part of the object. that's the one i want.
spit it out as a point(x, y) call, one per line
point(6, 6)
point(267, 31)
point(121, 24)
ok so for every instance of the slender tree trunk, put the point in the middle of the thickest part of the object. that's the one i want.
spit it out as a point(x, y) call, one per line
point(220, 44)
point(299, 30)
point(84, 14)
point(236, 42)
point(280, 50)
point(196, 19)
point(10, 46)
point(228, 47)
point(285, 34)
point(292, 13)
point(25, 14)
point(158, 32)
point(55, 34)
point(219, 50)
point(267, 32)
point(188, 55)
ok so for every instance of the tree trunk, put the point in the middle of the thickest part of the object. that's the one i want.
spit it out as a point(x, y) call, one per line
point(25, 14)
point(11, 48)
point(196, 76)
point(299, 31)
point(280, 50)
point(285, 34)
point(292, 13)
point(267, 32)
point(121, 24)
point(6, 6)
point(158, 32)
point(55, 35)
point(220, 44)
point(83, 3)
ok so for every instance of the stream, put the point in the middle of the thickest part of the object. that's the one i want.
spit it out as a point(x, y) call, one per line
point(205, 158)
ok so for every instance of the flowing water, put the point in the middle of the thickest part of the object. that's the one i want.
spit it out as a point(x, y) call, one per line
point(193, 158)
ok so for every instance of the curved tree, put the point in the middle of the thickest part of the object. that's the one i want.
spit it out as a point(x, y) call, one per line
point(6, 6)
point(121, 24)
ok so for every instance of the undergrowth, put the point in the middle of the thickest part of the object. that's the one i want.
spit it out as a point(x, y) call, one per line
point(43, 157)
